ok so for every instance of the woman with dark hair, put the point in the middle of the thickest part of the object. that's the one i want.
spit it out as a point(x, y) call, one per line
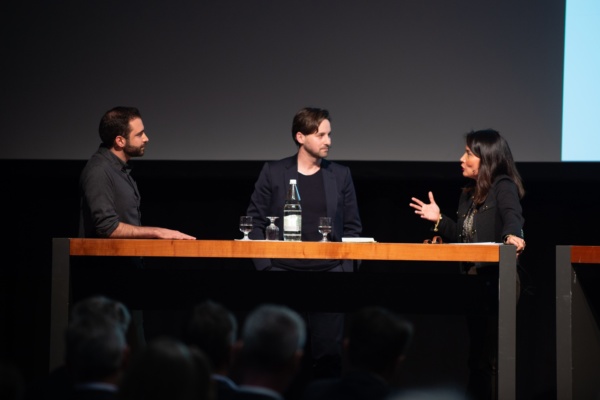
point(489, 210)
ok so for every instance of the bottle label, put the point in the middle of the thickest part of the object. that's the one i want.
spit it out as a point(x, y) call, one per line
point(292, 223)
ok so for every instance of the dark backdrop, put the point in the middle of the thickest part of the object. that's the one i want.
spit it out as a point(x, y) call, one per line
point(205, 199)
point(402, 78)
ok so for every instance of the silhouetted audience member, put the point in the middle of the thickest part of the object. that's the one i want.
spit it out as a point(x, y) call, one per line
point(60, 381)
point(203, 375)
point(429, 394)
point(212, 328)
point(375, 344)
point(271, 351)
point(166, 369)
point(12, 384)
point(104, 307)
point(96, 355)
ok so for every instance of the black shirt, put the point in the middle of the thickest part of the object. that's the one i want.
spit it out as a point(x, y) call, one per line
point(312, 196)
point(109, 195)
point(313, 203)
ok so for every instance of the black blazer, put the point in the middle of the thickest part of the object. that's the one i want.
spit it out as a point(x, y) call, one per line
point(271, 188)
point(498, 216)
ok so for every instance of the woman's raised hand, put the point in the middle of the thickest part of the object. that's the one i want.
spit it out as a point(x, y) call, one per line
point(430, 212)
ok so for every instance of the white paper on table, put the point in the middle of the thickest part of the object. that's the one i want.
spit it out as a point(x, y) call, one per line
point(358, 240)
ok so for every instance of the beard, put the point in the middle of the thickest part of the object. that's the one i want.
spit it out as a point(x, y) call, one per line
point(318, 153)
point(133, 151)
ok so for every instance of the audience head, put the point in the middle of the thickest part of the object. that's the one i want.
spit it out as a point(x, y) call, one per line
point(104, 307)
point(307, 121)
point(273, 338)
point(115, 122)
point(166, 369)
point(12, 383)
point(212, 328)
point(206, 387)
point(96, 349)
point(429, 394)
point(377, 340)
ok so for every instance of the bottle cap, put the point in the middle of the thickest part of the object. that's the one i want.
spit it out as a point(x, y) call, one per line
point(292, 181)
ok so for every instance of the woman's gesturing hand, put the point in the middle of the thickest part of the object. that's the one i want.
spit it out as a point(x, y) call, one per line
point(430, 212)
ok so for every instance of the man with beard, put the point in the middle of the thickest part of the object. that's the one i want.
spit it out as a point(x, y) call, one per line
point(110, 201)
point(326, 190)
point(110, 208)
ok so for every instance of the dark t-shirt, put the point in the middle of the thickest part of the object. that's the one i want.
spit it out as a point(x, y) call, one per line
point(313, 203)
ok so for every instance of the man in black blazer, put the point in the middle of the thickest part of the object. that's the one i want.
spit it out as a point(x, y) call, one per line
point(326, 190)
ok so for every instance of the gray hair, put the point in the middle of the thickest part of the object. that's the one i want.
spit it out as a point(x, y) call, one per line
point(104, 307)
point(272, 335)
point(95, 348)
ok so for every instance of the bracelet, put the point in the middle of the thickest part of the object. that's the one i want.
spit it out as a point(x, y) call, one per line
point(435, 227)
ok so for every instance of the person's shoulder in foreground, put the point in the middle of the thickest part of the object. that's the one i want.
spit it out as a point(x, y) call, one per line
point(375, 343)
point(270, 352)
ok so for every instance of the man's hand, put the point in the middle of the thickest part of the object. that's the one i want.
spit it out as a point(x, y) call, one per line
point(126, 231)
point(163, 233)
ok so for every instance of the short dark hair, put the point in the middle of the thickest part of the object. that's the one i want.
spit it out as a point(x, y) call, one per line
point(376, 338)
point(308, 120)
point(212, 328)
point(165, 369)
point(115, 122)
point(94, 347)
point(272, 335)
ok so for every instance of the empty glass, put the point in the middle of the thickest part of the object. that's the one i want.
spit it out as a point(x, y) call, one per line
point(246, 226)
point(272, 231)
point(325, 227)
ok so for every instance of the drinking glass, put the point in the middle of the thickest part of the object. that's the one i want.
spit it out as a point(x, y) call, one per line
point(325, 227)
point(272, 231)
point(246, 226)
